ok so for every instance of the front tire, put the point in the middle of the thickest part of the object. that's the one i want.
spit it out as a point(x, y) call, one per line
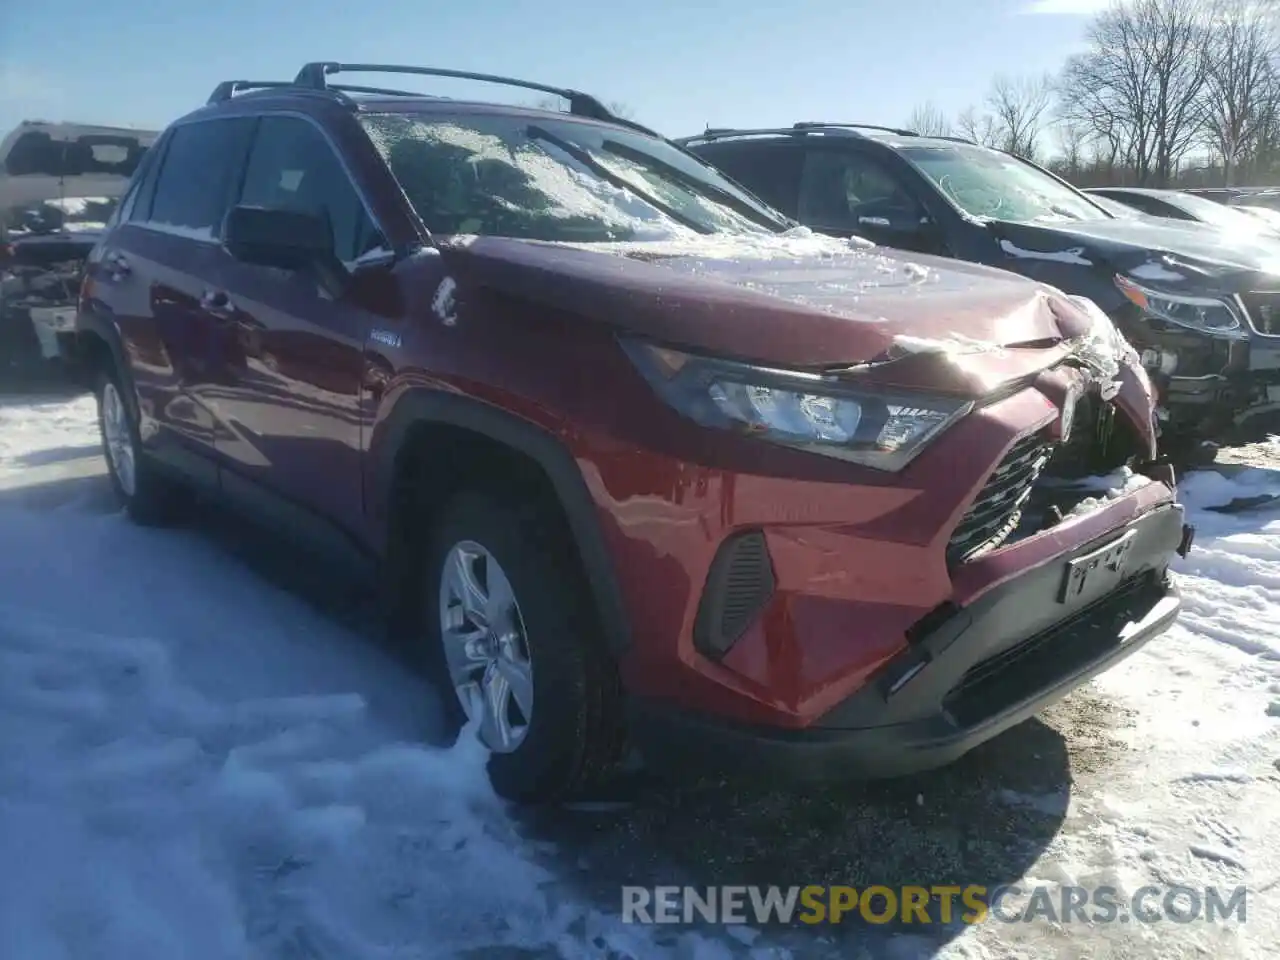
point(517, 649)
point(149, 498)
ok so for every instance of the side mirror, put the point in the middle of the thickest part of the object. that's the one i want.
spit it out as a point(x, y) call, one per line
point(286, 239)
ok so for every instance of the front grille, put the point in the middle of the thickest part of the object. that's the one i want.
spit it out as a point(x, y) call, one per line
point(1263, 307)
point(998, 508)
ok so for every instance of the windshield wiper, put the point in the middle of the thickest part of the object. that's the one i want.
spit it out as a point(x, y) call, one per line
point(584, 157)
point(723, 196)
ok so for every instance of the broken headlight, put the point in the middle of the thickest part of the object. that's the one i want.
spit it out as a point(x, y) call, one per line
point(809, 411)
point(1204, 314)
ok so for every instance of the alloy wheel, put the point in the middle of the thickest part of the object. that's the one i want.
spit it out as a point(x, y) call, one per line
point(118, 439)
point(485, 646)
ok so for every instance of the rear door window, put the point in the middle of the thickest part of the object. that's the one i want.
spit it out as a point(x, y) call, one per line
point(293, 165)
point(136, 204)
point(769, 170)
point(201, 165)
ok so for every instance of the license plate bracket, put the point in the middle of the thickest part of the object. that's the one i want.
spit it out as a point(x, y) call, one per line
point(1098, 571)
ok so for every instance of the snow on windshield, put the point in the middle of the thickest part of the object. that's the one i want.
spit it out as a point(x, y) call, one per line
point(985, 183)
point(549, 180)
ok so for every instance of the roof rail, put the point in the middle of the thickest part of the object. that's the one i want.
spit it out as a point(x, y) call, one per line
point(377, 91)
point(722, 133)
point(807, 124)
point(315, 76)
point(229, 88)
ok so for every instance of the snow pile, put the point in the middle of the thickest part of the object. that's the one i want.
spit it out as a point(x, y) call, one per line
point(194, 764)
point(1112, 486)
point(26, 431)
point(798, 243)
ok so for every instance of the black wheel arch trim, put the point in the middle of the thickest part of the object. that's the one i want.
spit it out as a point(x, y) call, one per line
point(425, 405)
point(93, 324)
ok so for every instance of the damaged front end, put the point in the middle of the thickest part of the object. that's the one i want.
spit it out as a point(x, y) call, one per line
point(1102, 447)
point(1211, 346)
point(38, 294)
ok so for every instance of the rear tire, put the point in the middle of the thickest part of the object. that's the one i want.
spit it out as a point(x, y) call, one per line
point(148, 497)
point(566, 735)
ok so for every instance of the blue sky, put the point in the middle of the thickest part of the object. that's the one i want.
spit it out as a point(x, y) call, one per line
point(678, 65)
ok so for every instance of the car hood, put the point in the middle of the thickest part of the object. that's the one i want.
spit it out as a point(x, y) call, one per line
point(1172, 253)
point(795, 301)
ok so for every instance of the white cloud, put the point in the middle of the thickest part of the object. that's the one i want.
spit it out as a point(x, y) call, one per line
point(1073, 8)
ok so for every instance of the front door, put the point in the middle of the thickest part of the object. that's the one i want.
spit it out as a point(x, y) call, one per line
point(291, 410)
point(850, 193)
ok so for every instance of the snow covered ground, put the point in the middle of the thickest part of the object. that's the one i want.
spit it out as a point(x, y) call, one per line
point(199, 758)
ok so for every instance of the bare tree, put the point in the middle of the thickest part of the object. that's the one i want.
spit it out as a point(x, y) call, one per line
point(929, 121)
point(1018, 107)
point(1141, 82)
point(978, 127)
point(1241, 91)
point(1072, 138)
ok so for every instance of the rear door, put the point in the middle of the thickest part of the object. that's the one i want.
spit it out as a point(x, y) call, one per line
point(150, 275)
point(292, 404)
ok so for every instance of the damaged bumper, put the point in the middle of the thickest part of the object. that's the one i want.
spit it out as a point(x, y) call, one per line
point(1211, 387)
point(970, 671)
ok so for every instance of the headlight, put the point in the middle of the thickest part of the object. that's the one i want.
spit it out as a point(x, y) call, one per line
point(797, 409)
point(1204, 314)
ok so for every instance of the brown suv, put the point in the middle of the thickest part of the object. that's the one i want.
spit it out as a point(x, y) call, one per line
point(633, 457)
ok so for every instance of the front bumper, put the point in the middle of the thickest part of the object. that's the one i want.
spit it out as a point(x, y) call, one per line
point(1220, 389)
point(969, 673)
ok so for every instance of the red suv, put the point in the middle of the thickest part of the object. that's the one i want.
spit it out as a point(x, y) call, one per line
point(635, 458)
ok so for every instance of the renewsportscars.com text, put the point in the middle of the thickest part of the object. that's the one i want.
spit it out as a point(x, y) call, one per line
point(940, 903)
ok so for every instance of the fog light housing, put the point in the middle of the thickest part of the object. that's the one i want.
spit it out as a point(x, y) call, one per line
point(1161, 360)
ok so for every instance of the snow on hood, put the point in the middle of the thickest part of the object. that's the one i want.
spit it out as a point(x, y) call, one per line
point(797, 299)
point(1167, 251)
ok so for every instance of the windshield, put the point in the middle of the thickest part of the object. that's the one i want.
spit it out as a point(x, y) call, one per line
point(985, 183)
point(558, 180)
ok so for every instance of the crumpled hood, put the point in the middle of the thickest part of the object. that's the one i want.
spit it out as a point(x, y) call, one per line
point(1170, 252)
point(806, 301)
